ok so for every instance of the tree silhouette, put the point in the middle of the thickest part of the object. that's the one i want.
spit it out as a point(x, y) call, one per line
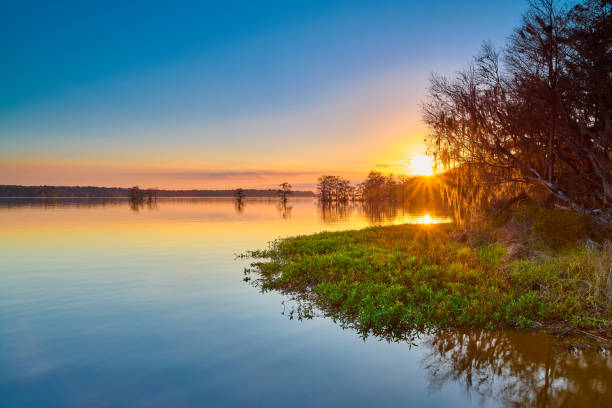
point(537, 116)
point(285, 191)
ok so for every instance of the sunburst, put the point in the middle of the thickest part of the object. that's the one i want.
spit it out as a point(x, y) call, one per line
point(419, 165)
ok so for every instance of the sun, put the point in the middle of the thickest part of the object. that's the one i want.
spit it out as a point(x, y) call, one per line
point(420, 165)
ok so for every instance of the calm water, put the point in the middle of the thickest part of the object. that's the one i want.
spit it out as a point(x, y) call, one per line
point(103, 304)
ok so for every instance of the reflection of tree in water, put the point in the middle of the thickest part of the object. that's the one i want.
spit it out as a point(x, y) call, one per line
point(239, 206)
point(376, 212)
point(50, 203)
point(518, 369)
point(335, 212)
point(138, 198)
point(515, 369)
point(284, 210)
point(239, 200)
point(137, 205)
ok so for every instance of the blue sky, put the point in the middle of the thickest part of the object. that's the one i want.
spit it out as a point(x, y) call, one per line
point(169, 92)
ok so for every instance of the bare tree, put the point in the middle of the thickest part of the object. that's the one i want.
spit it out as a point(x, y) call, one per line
point(334, 189)
point(532, 116)
point(285, 191)
point(239, 194)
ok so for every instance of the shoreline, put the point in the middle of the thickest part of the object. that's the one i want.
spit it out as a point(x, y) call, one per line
point(406, 277)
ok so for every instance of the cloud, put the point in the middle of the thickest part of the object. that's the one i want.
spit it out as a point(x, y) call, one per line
point(257, 174)
point(399, 165)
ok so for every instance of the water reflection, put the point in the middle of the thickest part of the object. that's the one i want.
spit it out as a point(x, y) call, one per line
point(512, 368)
point(327, 213)
point(518, 369)
point(333, 213)
point(381, 213)
point(137, 205)
point(91, 290)
point(239, 206)
point(54, 202)
point(284, 209)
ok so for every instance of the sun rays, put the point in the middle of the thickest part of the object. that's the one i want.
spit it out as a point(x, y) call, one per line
point(419, 165)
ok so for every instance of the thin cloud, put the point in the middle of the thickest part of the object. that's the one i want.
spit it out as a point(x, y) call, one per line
point(401, 164)
point(224, 174)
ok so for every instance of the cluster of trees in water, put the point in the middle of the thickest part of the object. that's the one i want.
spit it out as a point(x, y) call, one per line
point(139, 197)
point(535, 116)
point(284, 191)
point(336, 189)
point(379, 189)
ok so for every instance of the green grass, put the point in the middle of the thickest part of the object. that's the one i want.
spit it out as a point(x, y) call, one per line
point(557, 228)
point(402, 278)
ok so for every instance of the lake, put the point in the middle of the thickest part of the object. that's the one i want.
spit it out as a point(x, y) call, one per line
point(106, 304)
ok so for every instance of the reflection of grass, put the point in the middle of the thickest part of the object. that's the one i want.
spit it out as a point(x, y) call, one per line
point(406, 277)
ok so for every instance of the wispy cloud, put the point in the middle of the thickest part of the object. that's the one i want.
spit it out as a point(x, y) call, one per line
point(399, 165)
point(222, 174)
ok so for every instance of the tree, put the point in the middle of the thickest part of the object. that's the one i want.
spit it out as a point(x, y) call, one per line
point(151, 194)
point(285, 191)
point(238, 199)
point(532, 117)
point(239, 194)
point(378, 187)
point(334, 189)
point(136, 194)
point(325, 188)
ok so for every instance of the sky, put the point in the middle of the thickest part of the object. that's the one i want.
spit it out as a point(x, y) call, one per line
point(225, 94)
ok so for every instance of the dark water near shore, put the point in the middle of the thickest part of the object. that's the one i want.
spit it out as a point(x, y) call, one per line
point(103, 304)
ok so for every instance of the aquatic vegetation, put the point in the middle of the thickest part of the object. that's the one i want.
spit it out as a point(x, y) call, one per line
point(407, 277)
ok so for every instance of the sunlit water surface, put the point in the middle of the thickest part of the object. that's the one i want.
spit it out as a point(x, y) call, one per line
point(103, 304)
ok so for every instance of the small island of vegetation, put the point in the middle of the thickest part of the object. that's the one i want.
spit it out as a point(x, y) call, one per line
point(531, 268)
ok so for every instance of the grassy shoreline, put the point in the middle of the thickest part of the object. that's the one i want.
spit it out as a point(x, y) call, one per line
point(414, 277)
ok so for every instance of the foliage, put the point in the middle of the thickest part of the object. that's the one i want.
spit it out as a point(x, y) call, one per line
point(137, 195)
point(418, 191)
point(285, 191)
point(381, 192)
point(556, 228)
point(538, 114)
point(335, 189)
point(401, 278)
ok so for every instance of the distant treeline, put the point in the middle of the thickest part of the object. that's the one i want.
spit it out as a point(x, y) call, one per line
point(79, 191)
